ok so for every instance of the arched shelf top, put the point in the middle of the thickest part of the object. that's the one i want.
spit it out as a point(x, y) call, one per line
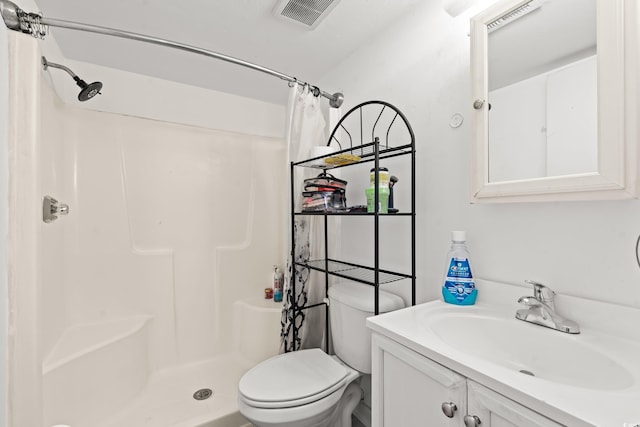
point(365, 128)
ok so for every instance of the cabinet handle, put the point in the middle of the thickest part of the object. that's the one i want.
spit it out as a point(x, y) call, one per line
point(477, 104)
point(449, 409)
point(471, 421)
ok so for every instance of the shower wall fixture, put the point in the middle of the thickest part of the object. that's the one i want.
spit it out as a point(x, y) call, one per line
point(51, 208)
point(37, 25)
point(87, 91)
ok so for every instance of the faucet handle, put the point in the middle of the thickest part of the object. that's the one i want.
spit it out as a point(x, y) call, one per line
point(542, 292)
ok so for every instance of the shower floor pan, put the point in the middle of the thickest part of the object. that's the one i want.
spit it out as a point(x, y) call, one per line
point(168, 399)
point(98, 374)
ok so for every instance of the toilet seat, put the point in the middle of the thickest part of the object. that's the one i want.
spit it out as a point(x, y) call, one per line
point(292, 379)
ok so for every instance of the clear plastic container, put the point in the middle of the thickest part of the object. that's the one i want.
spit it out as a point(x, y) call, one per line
point(324, 201)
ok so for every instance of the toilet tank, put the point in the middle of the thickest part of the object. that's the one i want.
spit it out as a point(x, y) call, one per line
point(349, 306)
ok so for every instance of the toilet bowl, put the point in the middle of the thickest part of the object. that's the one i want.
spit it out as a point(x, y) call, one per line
point(309, 388)
point(303, 388)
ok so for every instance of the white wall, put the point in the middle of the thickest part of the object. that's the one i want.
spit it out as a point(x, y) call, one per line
point(421, 65)
point(142, 96)
point(209, 150)
point(165, 221)
point(4, 167)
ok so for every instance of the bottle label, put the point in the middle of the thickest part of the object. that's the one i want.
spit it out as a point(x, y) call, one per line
point(459, 283)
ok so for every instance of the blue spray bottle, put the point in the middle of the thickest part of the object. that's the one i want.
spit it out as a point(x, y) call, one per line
point(459, 286)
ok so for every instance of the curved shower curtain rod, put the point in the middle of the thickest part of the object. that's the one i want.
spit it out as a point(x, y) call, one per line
point(36, 25)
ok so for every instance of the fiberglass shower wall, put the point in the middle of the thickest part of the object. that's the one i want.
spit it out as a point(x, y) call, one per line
point(168, 226)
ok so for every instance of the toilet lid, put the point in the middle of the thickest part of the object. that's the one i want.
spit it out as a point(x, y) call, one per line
point(292, 379)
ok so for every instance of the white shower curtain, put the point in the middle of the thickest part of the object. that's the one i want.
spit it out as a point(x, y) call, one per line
point(306, 128)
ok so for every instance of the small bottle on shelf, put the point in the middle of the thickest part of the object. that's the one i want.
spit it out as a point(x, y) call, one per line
point(383, 190)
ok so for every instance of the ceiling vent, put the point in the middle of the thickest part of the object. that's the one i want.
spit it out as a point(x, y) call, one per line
point(308, 13)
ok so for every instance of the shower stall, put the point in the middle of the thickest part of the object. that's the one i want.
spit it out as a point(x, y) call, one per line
point(143, 305)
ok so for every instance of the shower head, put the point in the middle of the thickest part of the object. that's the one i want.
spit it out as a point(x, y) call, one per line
point(87, 91)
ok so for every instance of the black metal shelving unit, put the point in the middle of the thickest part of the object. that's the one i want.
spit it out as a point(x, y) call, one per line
point(371, 132)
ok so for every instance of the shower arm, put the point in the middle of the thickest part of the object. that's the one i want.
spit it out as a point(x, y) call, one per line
point(46, 64)
point(34, 24)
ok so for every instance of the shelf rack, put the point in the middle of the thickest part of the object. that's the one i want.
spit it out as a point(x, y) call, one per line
point(355, 272)
point(387, 126)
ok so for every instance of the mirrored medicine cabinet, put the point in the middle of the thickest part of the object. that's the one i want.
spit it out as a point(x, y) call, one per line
point(548, 97)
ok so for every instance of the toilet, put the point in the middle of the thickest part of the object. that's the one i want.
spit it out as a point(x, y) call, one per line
point(309, 388)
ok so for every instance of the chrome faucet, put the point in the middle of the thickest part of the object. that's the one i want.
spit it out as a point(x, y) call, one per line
point(541, 310)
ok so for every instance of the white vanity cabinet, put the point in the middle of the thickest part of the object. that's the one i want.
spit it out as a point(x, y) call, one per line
point(409, 390)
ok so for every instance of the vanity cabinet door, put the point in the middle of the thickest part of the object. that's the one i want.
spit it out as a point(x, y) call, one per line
point(410, 390)
point(495, 410)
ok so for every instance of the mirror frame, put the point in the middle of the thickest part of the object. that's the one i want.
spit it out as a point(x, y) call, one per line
point(616, 175)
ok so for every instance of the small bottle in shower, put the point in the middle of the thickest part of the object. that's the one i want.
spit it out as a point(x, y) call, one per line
point(278, 283)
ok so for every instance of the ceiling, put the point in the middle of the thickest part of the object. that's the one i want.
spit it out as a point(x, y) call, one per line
point(244, 29)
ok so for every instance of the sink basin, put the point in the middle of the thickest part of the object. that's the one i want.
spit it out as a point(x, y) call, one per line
point(530, 349)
